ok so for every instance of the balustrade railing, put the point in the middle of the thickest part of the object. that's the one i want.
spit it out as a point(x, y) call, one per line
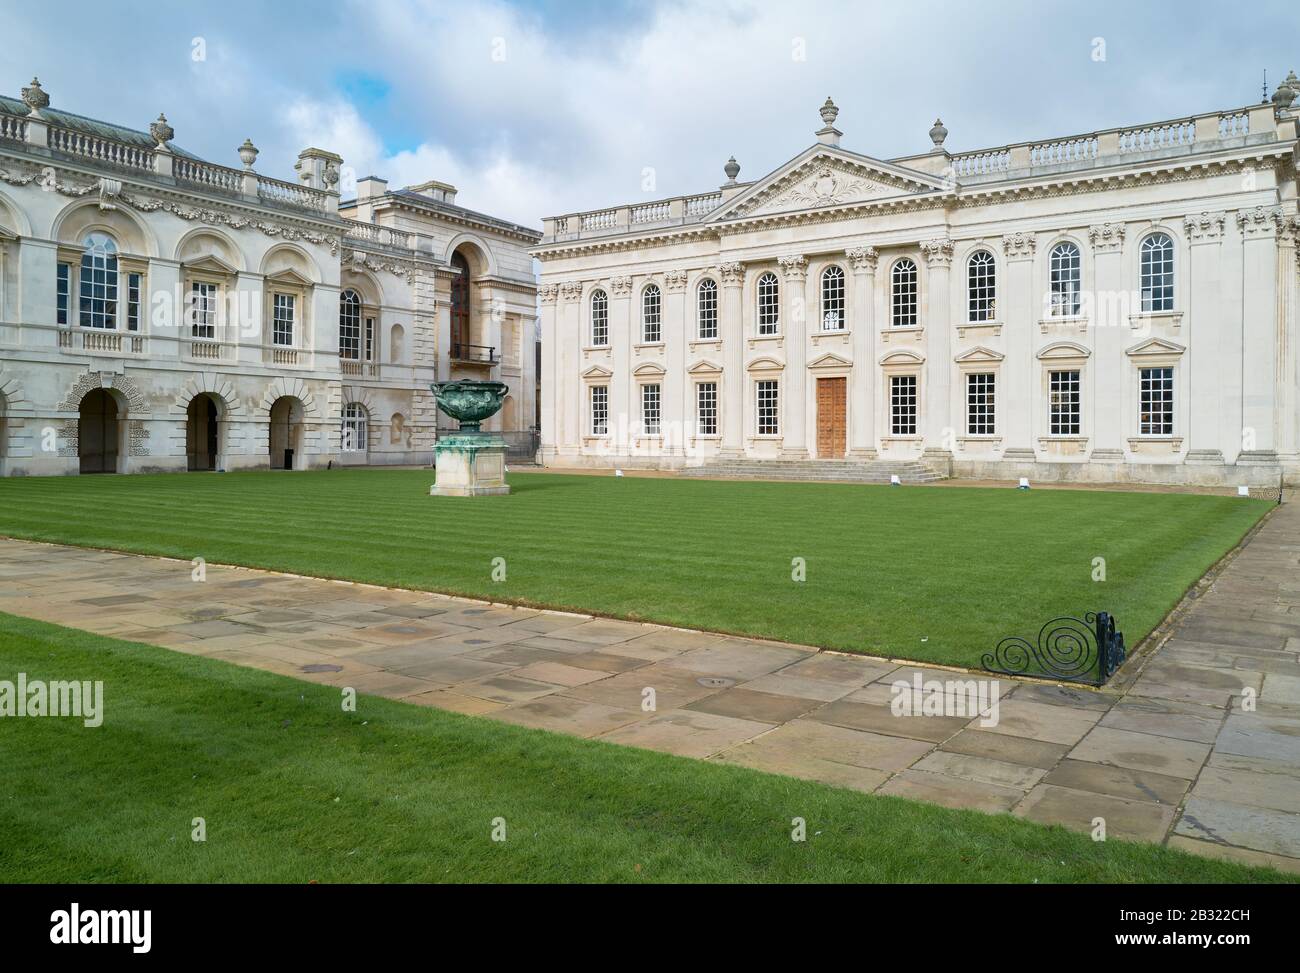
point(208, 176)
point(651, 212)
point(13, 127)
point(100, 149)
point(1151, 137)
point(374, 233)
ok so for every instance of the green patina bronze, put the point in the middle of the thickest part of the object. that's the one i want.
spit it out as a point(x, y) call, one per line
point(470, 402)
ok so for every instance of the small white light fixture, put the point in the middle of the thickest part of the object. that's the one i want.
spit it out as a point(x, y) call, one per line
point(1243, 491)
point(1024, 483)
point(618, 472)
point(894, 480)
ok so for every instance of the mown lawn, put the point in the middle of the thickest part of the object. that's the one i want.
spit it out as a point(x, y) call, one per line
point(293, 789)
point(931, 574)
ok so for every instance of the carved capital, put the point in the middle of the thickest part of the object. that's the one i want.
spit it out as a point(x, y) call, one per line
point(1106, 237)
point(548, 293)
point(794, 266)
point(863, 258)
point(1262, 221)
point(620, 286)
point(937, 253)
point(1019, 246)
point(675, 280)
point(571, 290)
point(1205, 227)
point(732, 273)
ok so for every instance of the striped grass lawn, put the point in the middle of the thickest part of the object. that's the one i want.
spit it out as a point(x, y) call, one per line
point(291, 788)
point(933, 574)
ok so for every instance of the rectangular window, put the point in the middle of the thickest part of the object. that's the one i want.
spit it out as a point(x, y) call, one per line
point(1064, 403)
point(979, 404)
point(706, 408)
point(650, 409)
point(902, 405)
point(132, 302)
point(282, 319)
point(600, 410)
point(370, 339)
point(1156, 388)
point(62, 292)
point(203, 309)
point(769, 408)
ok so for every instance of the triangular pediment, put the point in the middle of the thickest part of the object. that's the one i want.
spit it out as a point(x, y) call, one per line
point(597, 371)
point(1156, 346)
point(289, 276)
point(704, 366)
point(210, 264)
point(824, 177)
point(830, 360)
point(980, 354)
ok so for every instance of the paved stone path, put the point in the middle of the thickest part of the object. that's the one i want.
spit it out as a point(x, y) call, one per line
point(1174, 755)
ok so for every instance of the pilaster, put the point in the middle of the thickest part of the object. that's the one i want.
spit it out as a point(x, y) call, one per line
point(862, 386)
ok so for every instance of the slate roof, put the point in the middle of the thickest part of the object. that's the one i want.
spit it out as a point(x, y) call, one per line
point(91, 126)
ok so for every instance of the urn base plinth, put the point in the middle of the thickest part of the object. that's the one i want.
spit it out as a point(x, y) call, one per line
point(470, 465)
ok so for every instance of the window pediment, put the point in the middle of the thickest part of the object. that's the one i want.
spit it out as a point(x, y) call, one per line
point(830, 360)
point(649, 369)
point(980, 354)
point(210, 264)
point(1155, 348)
point(289, 278)
point(704, 367)
point(597, 371)
point(1063, 351)
point(903, 358)
point(764, 364)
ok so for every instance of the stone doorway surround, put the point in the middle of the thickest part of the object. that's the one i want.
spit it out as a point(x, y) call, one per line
point(1172, 754)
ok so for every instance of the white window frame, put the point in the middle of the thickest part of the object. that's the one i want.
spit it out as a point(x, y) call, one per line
point(652, 310)
point(652, 406)
point(981, 403)
point(599, 305)
point(98, 300)
point(981, 287)
point(350, 313)
point(1065, 279)
point(904, 293)
point(706, 310)
point(1162, 276)
point(1148, 424)
point(279, 301)
point(356, 428)
point(598, 409)
point(1065, 401)
point(767, 301)
point(834, 305)
point(904, 395)
point(705, 410)
point(768, 412)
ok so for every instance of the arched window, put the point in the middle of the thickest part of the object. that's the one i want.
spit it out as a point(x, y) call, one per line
point(902, 284)
point(769, 303)
point(460, 306)
point(1157, 273)
point(832, 299)
point(355, 431)
point(599, 318)
point(651, 304)
point(981, 286)
point(350, 325)
point(1064, 274)
point(99, 282)
point(706, 308)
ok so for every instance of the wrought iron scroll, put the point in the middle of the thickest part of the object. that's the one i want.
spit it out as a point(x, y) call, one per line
point(1069, 649)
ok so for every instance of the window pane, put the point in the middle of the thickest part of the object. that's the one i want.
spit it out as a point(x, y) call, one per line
point(982, 291)
point(979, 404)
point(903, 294)
point(706, 408)
point(1065, 411)
point(650, 315)
point(833, 299)
point(769, 423)
point(769, 304)
point(599, 318)
point(707, 309)
point(902, 405)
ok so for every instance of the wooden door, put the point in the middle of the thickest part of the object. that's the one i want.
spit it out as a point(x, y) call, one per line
point(832, 419)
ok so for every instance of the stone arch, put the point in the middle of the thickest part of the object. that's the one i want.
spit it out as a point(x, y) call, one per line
point(133, 235)
point(282, 386)
point(364, 283)
point(12, 217)
point(208, 383)
point(476, 251)
point(290, 257)
point(208, 242)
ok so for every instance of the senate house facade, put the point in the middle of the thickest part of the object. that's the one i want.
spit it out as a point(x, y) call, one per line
point(159, 312)
point(1115, 306)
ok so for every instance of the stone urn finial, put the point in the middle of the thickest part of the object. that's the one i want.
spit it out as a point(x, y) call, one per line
point(162, 132)
point(1284, 96)
point(248, 153)
point(35, 98)
point(829, 112)
point(937, 134)
point(470, 402)
point(732, 169)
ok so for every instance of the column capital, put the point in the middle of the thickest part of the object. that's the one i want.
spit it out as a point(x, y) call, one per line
point(1205, 227)
point(549, 293)
point(794, 266)
point(571, 290)
point(863, 258)
point(675, 280)
point(620, 286)
point(1262, 221)
point(1106, 237)
point(732, 273)
point(1019, 246)
point(937, 253)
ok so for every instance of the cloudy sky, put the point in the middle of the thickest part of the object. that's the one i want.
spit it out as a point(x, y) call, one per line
point(540, 107)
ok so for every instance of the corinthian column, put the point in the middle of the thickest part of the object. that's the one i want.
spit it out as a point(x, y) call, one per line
point(732, 332)
point(1205, 237)
point(570, 350)
point(940, 429)
point(550, 378)
point(862, 383)
point(675, 413)
point(794, 326)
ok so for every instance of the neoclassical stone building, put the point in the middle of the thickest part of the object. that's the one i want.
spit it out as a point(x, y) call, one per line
point(159, 312)
point(1116, 306)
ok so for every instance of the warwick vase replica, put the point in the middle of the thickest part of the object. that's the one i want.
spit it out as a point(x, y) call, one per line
point(470, 462)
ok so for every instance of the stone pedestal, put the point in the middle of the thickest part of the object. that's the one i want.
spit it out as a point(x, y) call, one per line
point(470, 465)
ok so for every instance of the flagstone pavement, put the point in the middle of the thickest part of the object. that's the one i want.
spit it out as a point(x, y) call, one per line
point(1174, 754)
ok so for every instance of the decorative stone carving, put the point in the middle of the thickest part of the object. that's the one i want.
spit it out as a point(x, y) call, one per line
point(1019, 246)
point(205, 215)
point(1205, 227)
point(732, 170)
point(937, 134)
point(137, 438)
point(571, 290)
point(863, 258)
point(88, 381)
point(109, 190)
point(1106, 237)
point(620, 286)
point(1260, 221)
point(675, 280)
point(937, 253)
point(359, 260)
point(826, 187)
point(794, 266)
point(732, 273)
point(160, 131)
point(50, 180)
point(548, 293)
point(248, 153)
point(35, 98)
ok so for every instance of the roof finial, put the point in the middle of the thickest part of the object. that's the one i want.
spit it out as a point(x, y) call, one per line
point(35, 98)
point(732, 169)
point(162, 132)
point(829, 135)
point(937, 134)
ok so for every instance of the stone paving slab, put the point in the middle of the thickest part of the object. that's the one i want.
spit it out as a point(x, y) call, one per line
point(1199, 748)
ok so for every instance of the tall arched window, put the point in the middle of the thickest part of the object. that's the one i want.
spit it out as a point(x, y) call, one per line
point(769, 303)
point(355, 428)
point(99, 282)
point(981, 286)
point(1064, 274)
point(460, 305)
point(651, 305)
point(706, 308)
point(1157, 273)
point(350, 325)
point(902, 284)
point(599, 318)
point(832, 299)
